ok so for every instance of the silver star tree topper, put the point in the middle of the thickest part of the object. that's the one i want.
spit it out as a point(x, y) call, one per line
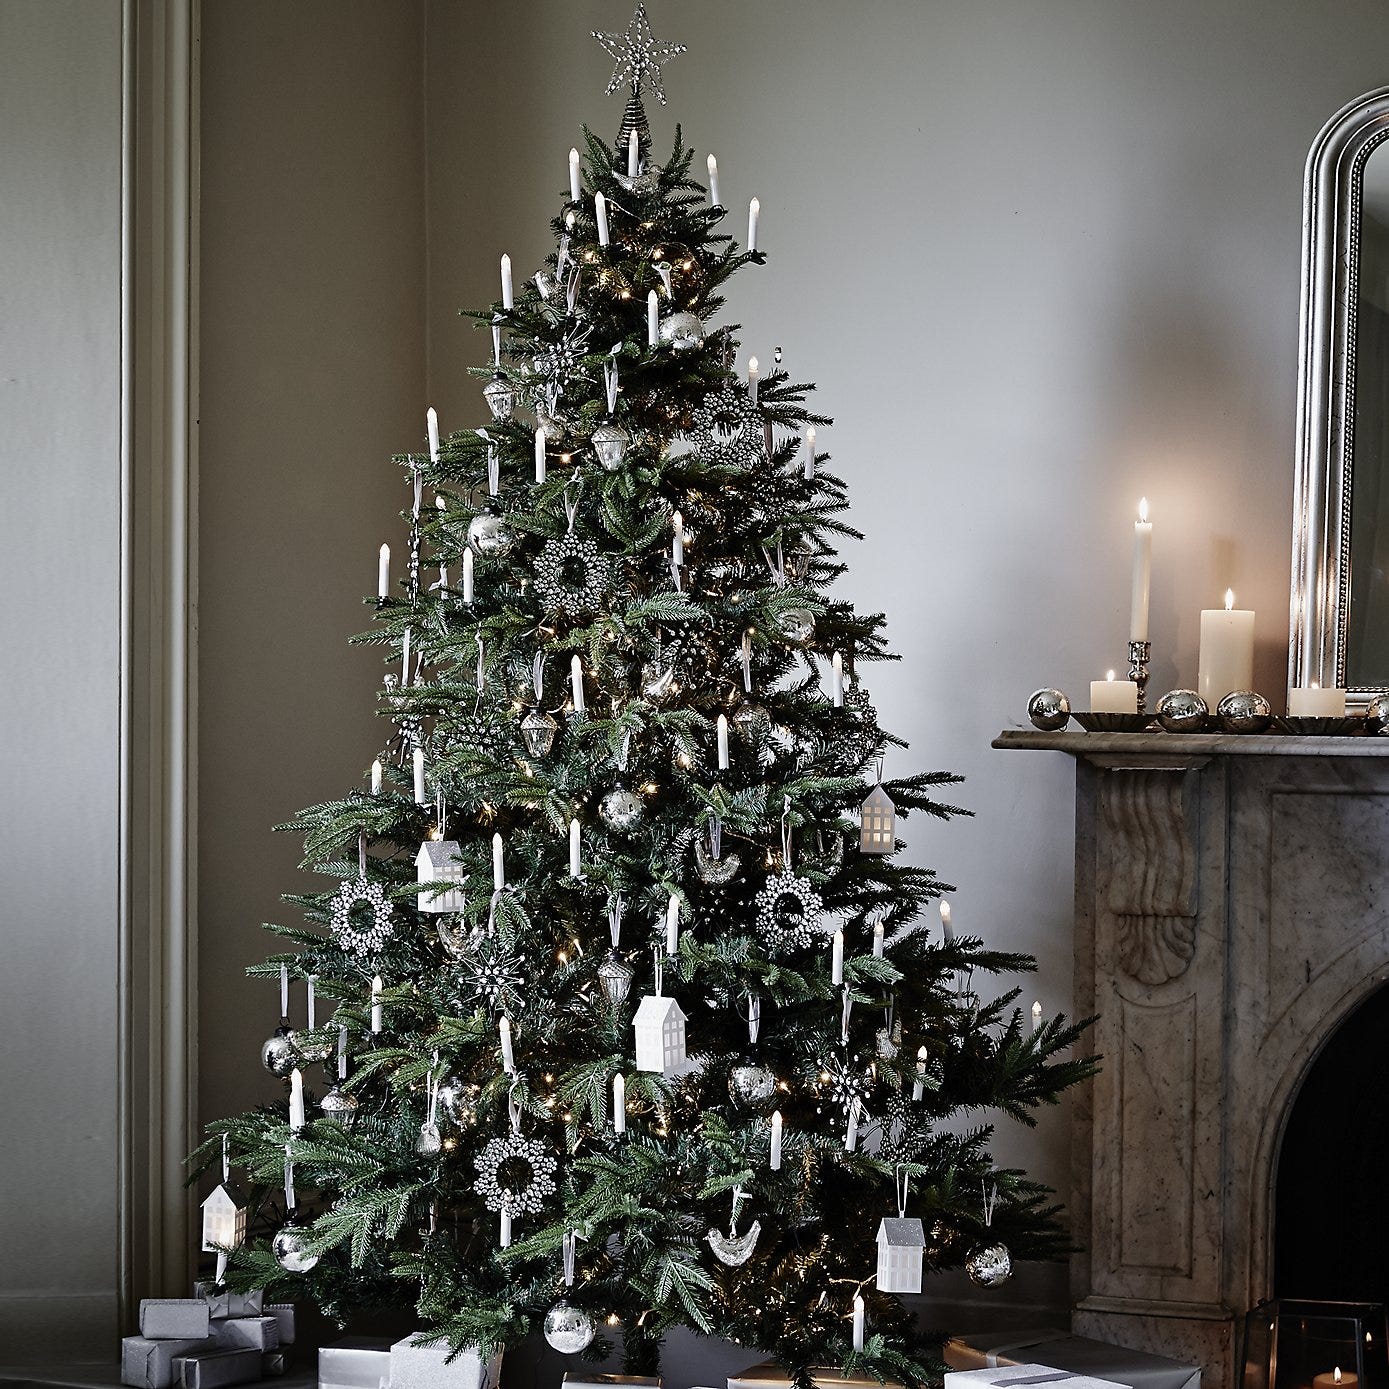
point(639, 59)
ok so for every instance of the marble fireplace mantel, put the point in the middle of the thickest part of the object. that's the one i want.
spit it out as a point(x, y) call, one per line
point(1232, 907)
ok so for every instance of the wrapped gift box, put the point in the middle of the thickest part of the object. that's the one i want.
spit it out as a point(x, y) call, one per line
point(1023, 1377)
point(222, 1303)
point(147, 1364)
point(283, 1312)
point(174, 1319)
point(356, 1363)
point(770, 1375)
point(580, 1379)
point(216, 1369)
point(1061, 1351)
point(416, 1366)
point(243, 1333)
point(274, 1362)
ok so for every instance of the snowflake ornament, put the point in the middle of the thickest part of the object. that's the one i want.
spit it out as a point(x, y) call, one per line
point(558, 364)
point(840, 1083)
point(493, 974)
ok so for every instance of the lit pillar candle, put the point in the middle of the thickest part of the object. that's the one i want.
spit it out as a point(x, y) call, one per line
point(754, 211)
point(576, 682)
point(919, 1088)
point(1142, 567)
point(376, 777)
point(775, 1161)
point(673, 925)
point(431, 419)
point(1036, 1017)
point(1111, 696)
point(947, 930)
point(837, 676)
point(837, 957)
point(721, 728)
point(600, 209)
point(858, 1322)
point(1227, 651)
point(498, 867)
point(376, 1010)
point(383, 572)
point(539, 454)
point(508, 1055)
point(574, 189)
point(677, 544)
point(508, 299)
point(808, 468)
point(468, 574)
point(1312, 702)
point(878, 939)
point(713, 181)
point(296, 1100)
point(653, 318)
point(752, 379)
point(633, 154)
point(574, 844)
point(619, 1104)
point(1336, 1378)
point(421, 795)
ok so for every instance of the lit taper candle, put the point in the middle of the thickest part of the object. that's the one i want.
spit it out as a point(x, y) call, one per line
point(1142, 572)
point(576, 682)
point(775, 1160)
point(619, 1103)
point(383, 572)
point(721, 735)
point(754, 211)
point(600, 210)
point(508, 298)
point(376, 777)
point(574, 189)
point(431, 419)
point(713, 181)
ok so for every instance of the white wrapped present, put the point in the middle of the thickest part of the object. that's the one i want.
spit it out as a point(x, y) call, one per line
point(418, 1366)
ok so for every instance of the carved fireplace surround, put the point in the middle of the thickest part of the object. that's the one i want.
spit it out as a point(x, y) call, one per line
point(1232, 907)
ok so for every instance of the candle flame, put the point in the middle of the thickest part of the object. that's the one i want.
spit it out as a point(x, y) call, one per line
point(921, 1053)
point(1315, 686)
point(944, 910)
point(752, 366)
point(1143, 509)
point(1229, 599)
point(1109, 675)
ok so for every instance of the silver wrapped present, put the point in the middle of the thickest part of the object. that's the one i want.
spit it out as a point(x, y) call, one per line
point(416, 1366)
point(147, 1364)
point(247, 1333)
point(283, 1312)
point(174, 1319)
point(274, 1363)
point(216, 1369)
point(1023, 1377)
point(1059, 1350)
point(222, 1303)
point(770, 1375)
point(356, 1363)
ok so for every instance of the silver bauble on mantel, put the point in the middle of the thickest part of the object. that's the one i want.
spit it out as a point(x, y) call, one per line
point(1244, 711)
point(1377, 714)
point(1049, 710)
point(1182, 711)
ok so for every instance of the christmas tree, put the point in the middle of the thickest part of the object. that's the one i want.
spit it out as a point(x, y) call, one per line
point(639, 1024)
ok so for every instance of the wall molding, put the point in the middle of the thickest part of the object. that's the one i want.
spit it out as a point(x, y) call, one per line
point(159, 387)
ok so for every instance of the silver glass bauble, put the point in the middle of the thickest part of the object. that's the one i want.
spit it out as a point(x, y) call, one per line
point(615, 975)
point(489, 534)
point(1377, 714)
point(751, 720)
point(290, 1249)
point(988, 1265)
point(499, 396)
point(1244, 711)
point(458, 1100)
point(660, 684)
point(430, 1142)
point(312, 1046)
point(538, 729)
point(278, 1055)
point(682, 330)
point(621, 810)
point(798, 624)
point(751, 1083)
point(568, 1329)
point(1049, 710)
point(1182, 711)
point(339, 1107)
point(799, 558)
point(610, 442)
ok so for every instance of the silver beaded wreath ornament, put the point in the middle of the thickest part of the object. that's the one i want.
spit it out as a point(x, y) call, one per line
point(572, 576)
point(728, 430)
point(527, 1195)
point(357, 940)
point(788, 907)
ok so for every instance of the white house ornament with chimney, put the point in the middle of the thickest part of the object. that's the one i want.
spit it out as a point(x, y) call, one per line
point(437, 864)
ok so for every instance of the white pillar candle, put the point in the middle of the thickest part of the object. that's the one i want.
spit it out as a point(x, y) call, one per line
point(619, 1104)
point(808, 469)
point(508, 1055)
point(945, 925)
point(1312, 702)
point(1036, 1017)
point(1111, 696)
point(296, 1100)
point(653, 318)
point(383, 572)
point(1227, 651)
point(576, 682)
point(837, 676)
point(376, 1018)
point(468, 574)
point(508, 300)
point(574, 189)
point(431, 419)
point(754, 210)
point(713, 181)
point(376, 776)
point(919, 1089)
point(600, 208)
point(504, 1238)
point(421, 795)
point(721, 732)
point(539, 453)
point(858, 1322)
point(879, 939)
point(775, 1160)
point(574, 845)
point(752, 379)
point(633, 154)
point(498, 867)
point(677, 544)
point(1142, 568)
point(837, 957)
point(673, 925)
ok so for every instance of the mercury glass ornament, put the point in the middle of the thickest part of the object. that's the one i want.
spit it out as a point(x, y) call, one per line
point(615, 976)
point(538, 729)
point(1377, 714)
point(751, 720)
point(489, 534)
point(459, 1100)
point(798, 560)
point(499, 396)
point(988, 1265)
point(750, 1083)
point(1182, 711)
point(311, 1047)
point(1049, 710)
point(621, 810)
point(1244, 711)
point(429, 1143)
point(568, 1329)
point(290, 1249)
point(610, 442)
point(278, 1055)
point(682, 331)
point(660, 685)
point(339, 1107)
point(550, 425)
point(797, 623)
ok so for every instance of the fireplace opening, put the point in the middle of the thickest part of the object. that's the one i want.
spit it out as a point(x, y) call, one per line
point(1331, 1222)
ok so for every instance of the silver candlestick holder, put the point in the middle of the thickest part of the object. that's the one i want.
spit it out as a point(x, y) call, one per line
point(1139, 652)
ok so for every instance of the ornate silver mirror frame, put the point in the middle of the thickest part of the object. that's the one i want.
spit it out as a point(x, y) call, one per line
point(1326, 396)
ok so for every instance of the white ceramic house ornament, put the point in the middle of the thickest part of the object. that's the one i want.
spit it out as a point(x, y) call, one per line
point(224, 1217)
point(660, 1029)
point(901, 1245)
point(437, 862)
point(877, 823)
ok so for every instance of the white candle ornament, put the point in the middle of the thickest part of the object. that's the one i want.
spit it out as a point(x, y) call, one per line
point(775, 1161)
point(576, 682)
point(574, 189)
point(713, 181)
point(858, 1322)
point(376, 1009)
point(1142, 569)
point(508, 299)
point(574, 842)
point(677, 544)
point(653, 319)
point(498, 867)
point(600, 209)
point(508, 1055)
point(808, 469)
point(383, 572)
point(919, 1088)
point(376, 772)
point(504, 1236)
point(1226, 660)
point(539, 454)
point(879, 939)
point(945, 924)
point(752, 379)
point(721, 728)
point(633, 154)
point(837, 678)
point(468, 574)
point(296, 1100)
point(673, 925)
point(619, 1103)
point(754, 211)
point(1036, 1017)
point(421, 795)
point(1111, 696)
point(431, 418)
point(837, 957)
